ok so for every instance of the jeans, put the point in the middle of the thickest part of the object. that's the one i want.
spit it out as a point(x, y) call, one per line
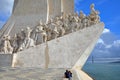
point(70, 78)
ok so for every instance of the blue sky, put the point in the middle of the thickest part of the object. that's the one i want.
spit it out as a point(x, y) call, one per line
point(109, 43)
point(108, 46)
point(109, 9)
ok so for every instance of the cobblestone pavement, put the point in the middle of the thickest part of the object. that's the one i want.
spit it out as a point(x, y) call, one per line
point(31, 74)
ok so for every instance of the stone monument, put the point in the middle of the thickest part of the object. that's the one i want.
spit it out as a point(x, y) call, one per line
point(48, 34)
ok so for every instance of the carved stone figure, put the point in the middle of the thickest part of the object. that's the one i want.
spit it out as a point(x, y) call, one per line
point(7, 48)
point(66, 20)
point(28, 32)
point(72, 27)
point(59, 21)
point(70, 18)
point(85, 22)
point(60, 28)
point(44, 33)
point(20, 39)
point(76, 17)
point(94, 15)
point(38, 34)
point(92, 8)
point(82, 15)
point(51, 24)
point(49, 29)
point(77, 26)
point(55, 31)
point(15, 43)
point(62, 31)
point(49, 33)
point(54, 28)
point(28, 42)
point(66, 24)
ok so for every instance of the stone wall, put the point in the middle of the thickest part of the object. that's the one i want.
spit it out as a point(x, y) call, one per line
point(6, 60)
point(29, 7)
point(54, 8)
point(68, 6)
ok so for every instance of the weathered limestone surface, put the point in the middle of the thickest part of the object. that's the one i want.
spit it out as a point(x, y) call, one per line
point(68, 6)
point(34, 74)
point(54, 8)
point(39, 74)
point(6, 60)
point(69, 51)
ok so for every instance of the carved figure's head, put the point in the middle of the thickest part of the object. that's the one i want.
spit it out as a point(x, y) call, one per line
point(92, 6)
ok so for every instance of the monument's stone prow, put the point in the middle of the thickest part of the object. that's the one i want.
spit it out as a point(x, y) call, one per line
point(72, 48)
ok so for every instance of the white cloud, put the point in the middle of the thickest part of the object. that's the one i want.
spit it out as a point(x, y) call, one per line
point(107, 50)
point(116, 43)
point(100, 41)
point(108, 46)
point(106, 31)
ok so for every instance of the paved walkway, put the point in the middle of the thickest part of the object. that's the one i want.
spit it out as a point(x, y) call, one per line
point(31, 74)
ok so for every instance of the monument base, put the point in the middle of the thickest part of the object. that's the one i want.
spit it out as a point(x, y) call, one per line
point(68, 52)
point(6, 60)
point(40, 74)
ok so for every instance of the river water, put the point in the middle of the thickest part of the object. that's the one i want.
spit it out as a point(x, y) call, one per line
point(103, 71)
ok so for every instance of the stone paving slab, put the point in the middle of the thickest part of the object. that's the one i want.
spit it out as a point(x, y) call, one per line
point(31, 74)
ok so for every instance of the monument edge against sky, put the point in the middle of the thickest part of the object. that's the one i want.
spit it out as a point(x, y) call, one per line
point(67, 38)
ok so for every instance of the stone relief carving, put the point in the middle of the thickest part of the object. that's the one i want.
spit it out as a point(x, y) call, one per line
point(54, 28)
point(94, 15)
point(14, 43)
point(20, 39)
point(28, 41)
point(39, 33)
point(7, 48)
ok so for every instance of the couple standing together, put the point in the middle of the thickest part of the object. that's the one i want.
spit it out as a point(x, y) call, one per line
point(68, 75)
